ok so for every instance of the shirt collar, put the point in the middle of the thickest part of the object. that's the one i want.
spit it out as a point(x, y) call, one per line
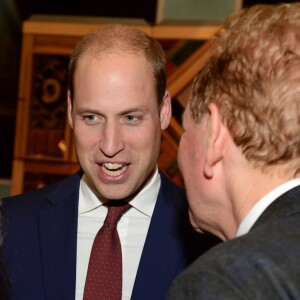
point(257, 210)
point(144, 201)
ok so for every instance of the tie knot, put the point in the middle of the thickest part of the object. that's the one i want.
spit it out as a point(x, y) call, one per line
point(116, 209)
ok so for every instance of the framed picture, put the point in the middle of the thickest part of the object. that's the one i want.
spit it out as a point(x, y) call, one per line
point(187, 11)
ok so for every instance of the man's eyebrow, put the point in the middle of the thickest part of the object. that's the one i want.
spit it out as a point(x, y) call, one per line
point(133, 110)
point(143, 109)
point(84, 109)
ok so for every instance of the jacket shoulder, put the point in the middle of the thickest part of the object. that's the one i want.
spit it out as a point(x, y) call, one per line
point(43, 196)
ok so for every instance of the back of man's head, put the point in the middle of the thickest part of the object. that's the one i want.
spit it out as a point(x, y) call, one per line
point(253, 76)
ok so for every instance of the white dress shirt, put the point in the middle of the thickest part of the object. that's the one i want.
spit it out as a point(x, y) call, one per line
point(132, 229)
point(257, 210)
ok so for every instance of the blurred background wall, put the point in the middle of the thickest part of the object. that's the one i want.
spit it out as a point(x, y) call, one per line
point(14, 12)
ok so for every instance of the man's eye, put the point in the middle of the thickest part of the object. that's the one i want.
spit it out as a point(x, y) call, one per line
point(131, 118)
point(89, 118)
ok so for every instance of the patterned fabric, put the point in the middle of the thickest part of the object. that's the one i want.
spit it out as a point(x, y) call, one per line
point(104, 276)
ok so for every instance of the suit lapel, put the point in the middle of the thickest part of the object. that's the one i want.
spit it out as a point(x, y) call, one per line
point(162, 254)
point(58, 240)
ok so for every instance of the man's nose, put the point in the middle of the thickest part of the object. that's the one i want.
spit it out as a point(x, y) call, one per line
point(111, 141)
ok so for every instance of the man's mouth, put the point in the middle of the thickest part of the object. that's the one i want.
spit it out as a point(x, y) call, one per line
point(113, 169)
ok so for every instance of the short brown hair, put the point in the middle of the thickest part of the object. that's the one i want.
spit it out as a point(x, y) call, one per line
point(121, 38)
point(253, 76)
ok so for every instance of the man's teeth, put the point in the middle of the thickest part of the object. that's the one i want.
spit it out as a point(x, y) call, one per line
point(113, 169)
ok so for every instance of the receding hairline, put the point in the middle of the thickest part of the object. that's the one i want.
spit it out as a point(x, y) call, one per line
point(119, 38)
point(114, 37)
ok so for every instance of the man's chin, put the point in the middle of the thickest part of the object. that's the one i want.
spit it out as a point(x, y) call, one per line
point(114, 193)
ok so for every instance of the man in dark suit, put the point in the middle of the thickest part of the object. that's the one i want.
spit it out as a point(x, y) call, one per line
point(117, 107)
point(240, 159)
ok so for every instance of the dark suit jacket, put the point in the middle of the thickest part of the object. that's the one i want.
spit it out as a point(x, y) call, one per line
point(41, 239)
point(263, 264)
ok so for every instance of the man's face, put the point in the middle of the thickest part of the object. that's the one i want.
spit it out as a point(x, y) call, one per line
point(191, 156)
point(206, 157)
point(117, 123)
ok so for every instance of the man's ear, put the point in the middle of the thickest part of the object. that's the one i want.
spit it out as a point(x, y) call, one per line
point(165, 111)
point(216, 140)
point(70, 110)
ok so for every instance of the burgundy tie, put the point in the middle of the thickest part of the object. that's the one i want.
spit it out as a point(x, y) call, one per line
point(104, 275)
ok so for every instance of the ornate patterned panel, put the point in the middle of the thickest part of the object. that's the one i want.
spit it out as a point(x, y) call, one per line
point(48, 106)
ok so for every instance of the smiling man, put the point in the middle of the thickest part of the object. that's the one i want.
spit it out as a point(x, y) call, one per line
point(117, 121)
point(117, 106)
